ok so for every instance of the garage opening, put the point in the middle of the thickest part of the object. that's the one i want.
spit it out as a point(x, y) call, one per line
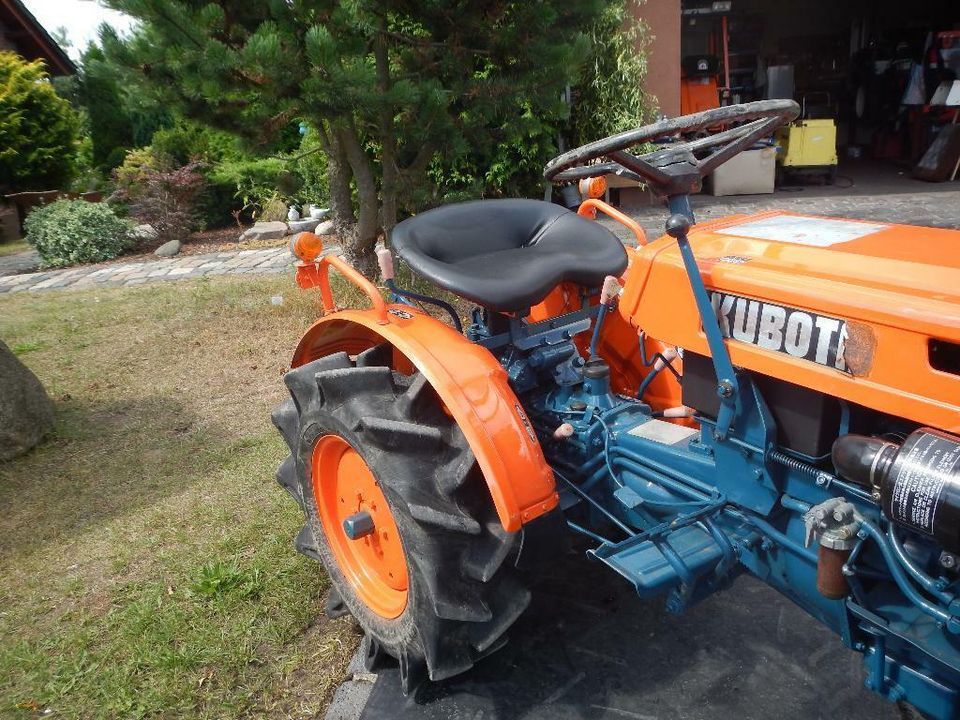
point(878, 82)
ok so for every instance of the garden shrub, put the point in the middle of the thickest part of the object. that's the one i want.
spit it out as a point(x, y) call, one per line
point(511, 166)
point(166, 198)
point(138, 161)
point(233, 185)
point(37, 128)
point(76, 231)
point(611, 98)
point(218, 202)
point(210, 206)
point(259, 184)
point(186, 141)
point(274, 210)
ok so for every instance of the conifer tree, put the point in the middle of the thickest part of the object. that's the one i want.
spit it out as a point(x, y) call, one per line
point(111, 130)
point(38, 129)
point(386, 85)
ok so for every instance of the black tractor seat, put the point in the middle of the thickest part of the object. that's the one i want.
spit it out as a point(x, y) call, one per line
point(507, 255)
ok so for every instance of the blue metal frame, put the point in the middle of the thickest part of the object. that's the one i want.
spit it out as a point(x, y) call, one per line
point(728, 388)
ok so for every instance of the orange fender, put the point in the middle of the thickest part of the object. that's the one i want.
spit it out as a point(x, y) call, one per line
point(473, 387)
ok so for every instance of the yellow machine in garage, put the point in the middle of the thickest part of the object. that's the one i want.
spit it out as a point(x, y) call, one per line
point(808, 146)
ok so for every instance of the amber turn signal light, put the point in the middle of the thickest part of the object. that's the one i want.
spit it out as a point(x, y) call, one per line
point(306, 246)
point(593, 187)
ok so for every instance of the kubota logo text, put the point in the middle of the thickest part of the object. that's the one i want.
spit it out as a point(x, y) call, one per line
point(788, 330)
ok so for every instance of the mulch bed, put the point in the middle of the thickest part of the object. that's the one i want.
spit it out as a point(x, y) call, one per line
point(198, 243)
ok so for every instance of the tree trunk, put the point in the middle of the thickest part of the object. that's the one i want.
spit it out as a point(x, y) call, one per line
point(412, 175)
point(338, 178)
point(388, 152)
point(388, 191)
point(358, 249)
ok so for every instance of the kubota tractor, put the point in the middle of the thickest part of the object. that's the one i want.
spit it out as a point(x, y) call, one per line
point(775, 394)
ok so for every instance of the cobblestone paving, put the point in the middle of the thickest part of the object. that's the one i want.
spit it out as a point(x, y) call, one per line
point(258, 262)
point(931, 209)
point(21, 262)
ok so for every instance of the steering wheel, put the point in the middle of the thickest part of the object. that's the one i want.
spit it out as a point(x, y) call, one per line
point(677, 169)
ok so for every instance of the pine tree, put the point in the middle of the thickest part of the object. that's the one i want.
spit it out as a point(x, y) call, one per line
point(111, 130)
point(385, 85)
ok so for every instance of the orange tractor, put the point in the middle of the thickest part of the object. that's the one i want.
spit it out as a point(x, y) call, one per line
point(774, 394)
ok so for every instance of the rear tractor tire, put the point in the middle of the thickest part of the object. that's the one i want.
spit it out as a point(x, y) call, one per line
point(398, 512)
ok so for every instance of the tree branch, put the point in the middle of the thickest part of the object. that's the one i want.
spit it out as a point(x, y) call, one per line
point(423, 42)
point(388, 154)
point(420, 161)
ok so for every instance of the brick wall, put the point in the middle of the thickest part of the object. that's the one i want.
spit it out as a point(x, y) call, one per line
point(663, 73)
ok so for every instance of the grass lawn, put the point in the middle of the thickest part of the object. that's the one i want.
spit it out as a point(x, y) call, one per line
point(146, 557)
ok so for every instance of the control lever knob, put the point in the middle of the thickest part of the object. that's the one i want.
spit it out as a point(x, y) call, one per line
point(678, 225)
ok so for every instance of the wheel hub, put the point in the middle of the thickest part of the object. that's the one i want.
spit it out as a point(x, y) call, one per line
point(359, 527)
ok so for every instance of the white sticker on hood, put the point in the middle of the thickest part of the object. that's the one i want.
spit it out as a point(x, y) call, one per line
point(812, 231)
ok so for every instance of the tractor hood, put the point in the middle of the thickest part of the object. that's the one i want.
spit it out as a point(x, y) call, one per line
point(912, 273)
point(867, 311)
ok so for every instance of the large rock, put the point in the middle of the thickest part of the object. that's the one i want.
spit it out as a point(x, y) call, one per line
point(26, 412)
point(168, 249)
point(265, 231)
point(144, 232)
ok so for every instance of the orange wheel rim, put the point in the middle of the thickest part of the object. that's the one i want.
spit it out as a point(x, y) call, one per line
point(374, 564)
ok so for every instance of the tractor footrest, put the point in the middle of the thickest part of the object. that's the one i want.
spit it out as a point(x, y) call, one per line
point(656, 566)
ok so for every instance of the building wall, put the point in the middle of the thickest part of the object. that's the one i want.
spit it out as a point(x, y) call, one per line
point(5, 42)
point(663, 72)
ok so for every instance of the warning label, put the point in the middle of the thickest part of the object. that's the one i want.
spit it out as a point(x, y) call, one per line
point(921, 479)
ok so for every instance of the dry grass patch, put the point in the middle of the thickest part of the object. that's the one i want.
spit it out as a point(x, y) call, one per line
point(146, 562)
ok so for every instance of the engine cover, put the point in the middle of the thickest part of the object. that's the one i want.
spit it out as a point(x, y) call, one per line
point(867, 312)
